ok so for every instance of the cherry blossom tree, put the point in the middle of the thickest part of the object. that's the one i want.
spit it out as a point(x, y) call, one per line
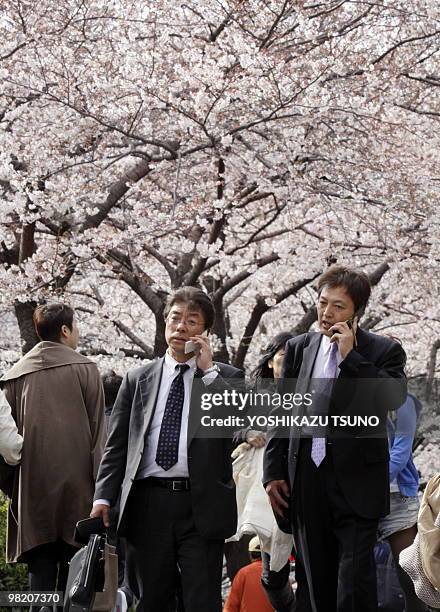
point(238, 146)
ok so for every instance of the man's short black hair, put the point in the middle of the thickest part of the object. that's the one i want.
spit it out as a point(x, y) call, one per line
point(356, 284)
point(195, 298)
point(49, 319)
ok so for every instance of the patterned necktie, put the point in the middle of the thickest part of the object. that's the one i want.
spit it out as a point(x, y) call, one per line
point(168, 445)
point(329, 372)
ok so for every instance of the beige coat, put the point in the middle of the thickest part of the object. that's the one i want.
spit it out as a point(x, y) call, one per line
point(421, 560)
point(57, 400)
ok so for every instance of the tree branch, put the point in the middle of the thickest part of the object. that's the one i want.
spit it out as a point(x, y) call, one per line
point(117, 190)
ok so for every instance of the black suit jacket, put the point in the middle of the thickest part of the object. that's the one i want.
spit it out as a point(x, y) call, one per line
point(371, 382)
point(209, 459)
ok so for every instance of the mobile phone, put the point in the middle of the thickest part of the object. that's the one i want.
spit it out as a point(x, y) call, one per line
point(350, 321)
point(356, 315)
point(192, 347)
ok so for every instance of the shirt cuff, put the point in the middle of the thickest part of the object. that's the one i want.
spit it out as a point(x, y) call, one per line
point(210, 377)
point(104, 502)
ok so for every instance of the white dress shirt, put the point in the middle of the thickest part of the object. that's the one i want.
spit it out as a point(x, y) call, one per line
point(148, 465)
point(315, 384)
point(10, 440)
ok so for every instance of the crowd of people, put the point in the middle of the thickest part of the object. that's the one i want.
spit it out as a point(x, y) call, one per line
point(170, 491)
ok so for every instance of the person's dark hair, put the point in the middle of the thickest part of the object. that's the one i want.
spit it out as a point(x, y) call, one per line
point(195, 298)
point(356, 284)
point(262, 371)
point(111, 383)
point(254, 555)
point(49, 319)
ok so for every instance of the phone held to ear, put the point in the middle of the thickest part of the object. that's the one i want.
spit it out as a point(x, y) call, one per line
point(350, 322)
point(192, 347)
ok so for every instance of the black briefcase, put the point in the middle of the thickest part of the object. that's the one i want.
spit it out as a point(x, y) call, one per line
point(86, 575)
point(87, 568)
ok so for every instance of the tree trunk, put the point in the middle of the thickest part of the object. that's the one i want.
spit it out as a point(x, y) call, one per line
point(258, 311)
point(24, 312)
point(430, 378)
point(220, 330)
point(160, 345)
point(306, 321)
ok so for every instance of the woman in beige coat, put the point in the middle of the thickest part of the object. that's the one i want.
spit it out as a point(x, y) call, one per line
point(57, 401)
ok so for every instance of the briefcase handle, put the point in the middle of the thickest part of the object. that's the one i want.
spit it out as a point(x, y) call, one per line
point(90, 526)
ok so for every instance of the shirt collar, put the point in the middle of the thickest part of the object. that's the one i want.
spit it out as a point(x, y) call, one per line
point(172, 363)
point(325, 344)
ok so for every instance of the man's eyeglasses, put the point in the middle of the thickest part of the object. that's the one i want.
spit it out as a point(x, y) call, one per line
point(175, 320)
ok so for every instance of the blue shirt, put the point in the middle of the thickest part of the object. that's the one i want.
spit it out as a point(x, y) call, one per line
point(401, 432)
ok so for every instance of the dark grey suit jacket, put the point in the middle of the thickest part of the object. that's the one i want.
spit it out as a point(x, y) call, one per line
point(371, 382)
point(209, 459)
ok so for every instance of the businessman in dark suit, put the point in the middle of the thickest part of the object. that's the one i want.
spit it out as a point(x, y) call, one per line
point(174, 488)
point(332, 484)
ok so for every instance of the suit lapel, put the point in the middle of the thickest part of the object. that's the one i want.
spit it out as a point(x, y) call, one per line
point(302, 386)
point(149, 388)
point(194, 406)
point(308, 361)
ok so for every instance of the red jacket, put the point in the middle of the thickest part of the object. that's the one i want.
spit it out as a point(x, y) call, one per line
point(247, 594)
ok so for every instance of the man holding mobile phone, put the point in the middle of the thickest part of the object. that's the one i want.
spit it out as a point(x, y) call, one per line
point(333, 485)
point(174, 489)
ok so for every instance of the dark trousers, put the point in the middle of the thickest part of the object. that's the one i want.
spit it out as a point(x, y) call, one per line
point(278, 588)
point(335, 545)
point(48, 566)
point(162, 542)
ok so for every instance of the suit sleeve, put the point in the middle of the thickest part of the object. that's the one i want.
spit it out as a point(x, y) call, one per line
point(275, 454)
point(387, 371)
point(236, 380)
point(112, 468)
point(229, 380)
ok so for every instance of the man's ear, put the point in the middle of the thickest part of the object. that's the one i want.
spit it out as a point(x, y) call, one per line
point(64, 330)
point(359, 312)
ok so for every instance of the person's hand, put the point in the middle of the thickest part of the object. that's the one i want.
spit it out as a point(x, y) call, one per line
point(277, 491)
point(344, 336)
point(204, 352)
point(103, 511)
point(256, 438)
